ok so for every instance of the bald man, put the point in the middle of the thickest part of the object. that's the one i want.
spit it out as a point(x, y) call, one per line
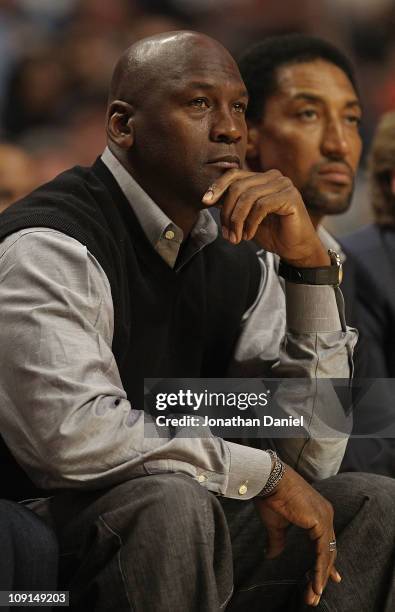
point(18, 174)
point(116, 273)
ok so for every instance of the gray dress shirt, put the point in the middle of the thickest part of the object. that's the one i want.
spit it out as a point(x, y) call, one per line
point(63, 410)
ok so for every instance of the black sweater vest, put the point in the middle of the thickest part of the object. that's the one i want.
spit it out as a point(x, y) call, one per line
point(166, 323)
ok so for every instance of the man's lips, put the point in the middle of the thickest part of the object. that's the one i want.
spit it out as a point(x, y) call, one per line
point(336, 173)
point(225, 161)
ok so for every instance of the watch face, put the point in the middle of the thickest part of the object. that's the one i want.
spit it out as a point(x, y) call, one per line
point(336, 261)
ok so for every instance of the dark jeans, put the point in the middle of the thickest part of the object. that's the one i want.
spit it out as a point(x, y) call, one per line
point(29, 553)
point(162, 543)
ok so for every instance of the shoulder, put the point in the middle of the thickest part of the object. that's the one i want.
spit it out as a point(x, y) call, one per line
point(42, 255)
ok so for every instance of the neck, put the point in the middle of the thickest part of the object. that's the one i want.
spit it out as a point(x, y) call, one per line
point(179, 210)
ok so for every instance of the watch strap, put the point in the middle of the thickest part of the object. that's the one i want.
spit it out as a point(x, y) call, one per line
point(325, 275)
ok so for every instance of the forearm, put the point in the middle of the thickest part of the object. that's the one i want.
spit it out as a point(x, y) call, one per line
point(309, 345)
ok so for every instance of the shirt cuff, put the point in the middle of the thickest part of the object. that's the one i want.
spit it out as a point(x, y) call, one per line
point(249, 470)
point(311, 308)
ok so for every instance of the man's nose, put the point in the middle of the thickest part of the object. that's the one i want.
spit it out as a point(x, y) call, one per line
point(334, 140)
point(226, 126)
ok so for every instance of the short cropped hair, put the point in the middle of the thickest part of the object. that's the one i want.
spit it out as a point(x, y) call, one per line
point(258, 65)
point(381, 167)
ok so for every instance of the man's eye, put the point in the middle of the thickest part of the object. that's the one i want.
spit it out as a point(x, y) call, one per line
point(199, 103)
point(240, 107)
point(353, 120)
point(308, 114)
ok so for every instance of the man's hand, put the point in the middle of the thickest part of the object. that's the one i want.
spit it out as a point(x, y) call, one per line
point(266, 206)
point(295, 502)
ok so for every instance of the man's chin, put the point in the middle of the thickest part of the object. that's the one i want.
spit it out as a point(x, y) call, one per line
point(330, 207)
point(327, 203)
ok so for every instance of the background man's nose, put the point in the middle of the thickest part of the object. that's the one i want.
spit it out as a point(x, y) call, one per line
point(334, 141)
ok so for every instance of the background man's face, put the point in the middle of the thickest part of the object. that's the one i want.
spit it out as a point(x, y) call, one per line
point(309, 130)
point(194, 116)
point(18, 175)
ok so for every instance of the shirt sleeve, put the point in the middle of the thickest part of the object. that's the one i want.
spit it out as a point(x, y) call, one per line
point(63, 411)
point(299, 331)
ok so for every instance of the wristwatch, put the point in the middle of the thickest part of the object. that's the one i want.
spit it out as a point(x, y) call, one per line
point(326, 275)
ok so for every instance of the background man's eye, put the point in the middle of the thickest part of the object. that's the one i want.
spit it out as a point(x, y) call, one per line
point(354, 119)
point(308, 113)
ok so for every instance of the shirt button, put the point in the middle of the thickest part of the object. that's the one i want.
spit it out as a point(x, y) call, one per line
point(243, 489)
point(169, 235)
point(202, 478)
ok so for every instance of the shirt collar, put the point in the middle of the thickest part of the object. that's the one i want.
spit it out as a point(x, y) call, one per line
point(164, 235)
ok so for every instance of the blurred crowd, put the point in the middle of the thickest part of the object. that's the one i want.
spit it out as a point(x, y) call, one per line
point(56, 58)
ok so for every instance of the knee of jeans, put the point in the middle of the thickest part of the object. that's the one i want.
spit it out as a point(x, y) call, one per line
point(178, 491)
point(377, 491)
point(171, 501)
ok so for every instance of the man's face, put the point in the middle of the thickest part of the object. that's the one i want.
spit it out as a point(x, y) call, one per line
point(191, 127)
point(309, 130)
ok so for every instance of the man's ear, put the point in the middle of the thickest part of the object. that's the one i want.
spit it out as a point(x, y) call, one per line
point(120, 124)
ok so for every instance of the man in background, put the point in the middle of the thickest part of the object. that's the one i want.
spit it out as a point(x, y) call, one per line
point(304, 114)
point(373, 251)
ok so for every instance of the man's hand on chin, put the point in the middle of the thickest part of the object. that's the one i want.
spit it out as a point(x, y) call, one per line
point(267, 207)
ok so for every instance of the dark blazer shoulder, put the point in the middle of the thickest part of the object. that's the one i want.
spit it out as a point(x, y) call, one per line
point(364, 240)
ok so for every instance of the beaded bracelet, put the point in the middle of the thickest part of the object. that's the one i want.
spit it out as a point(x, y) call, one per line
point(275, 475)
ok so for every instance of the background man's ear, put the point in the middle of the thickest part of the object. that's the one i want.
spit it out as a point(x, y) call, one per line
point(120, 124)
point(252, 155)
point(252, 143)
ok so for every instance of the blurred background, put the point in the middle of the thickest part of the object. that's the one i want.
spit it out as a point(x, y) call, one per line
point(56, 58)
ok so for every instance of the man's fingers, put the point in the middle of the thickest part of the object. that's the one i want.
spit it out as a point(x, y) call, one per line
point(217, 189)
point(276, 542)
point(263, 207)
point(241, 195)
point(311, 597)
point(334, 575)
point(324, 562)
point(244, 216)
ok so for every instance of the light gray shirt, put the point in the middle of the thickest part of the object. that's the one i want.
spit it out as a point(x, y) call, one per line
point(63, 410)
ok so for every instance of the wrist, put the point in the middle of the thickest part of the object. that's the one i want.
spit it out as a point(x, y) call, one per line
point(319, 258)
point(321, 275)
